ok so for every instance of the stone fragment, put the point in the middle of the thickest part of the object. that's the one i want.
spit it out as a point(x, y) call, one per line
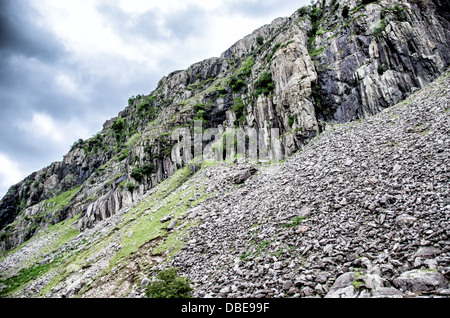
point(145, 282)
point(345, 292)
point(172, 225)
point(306, 291)
point(287, 285)
point(386, 292)
point(405, 220)
point(342, 287)
point(166, 219)
point(419, 281)
point(427, 252)
point(372, 281)
point(305, 211)
point(242, 176)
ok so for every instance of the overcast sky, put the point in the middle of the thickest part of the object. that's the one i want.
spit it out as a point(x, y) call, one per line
point(68, 66)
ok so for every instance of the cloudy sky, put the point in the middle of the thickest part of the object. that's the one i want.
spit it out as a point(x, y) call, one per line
point(68, 66)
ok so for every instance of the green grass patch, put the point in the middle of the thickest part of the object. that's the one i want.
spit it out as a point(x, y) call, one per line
point(257, 248)
point(65, 233)
point(294, 223)
point(174, 241)
point(264, 84)
point(169, 285)
point(133, 140)
point(24, 276)
point(317, 52)
point(380, 27)
point(61, 201)
point(246, 67)
point(144, 227)
point(76, 260)
point(239, 109)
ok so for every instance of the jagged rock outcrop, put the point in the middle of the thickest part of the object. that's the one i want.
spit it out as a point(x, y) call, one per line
point(332, 62)
point(378, 55)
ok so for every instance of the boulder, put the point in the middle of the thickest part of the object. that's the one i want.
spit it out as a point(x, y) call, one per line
point(342, 287)
point(405, 220)
point(172, 225)
point(419, 281)
point(242, 175)
point(386, 292)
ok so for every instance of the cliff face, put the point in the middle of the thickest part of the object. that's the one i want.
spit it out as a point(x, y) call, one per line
point(373, 56)
point(336, 61)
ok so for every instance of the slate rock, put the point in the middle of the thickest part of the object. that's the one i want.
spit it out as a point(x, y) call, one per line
point(405, 220)
point(418, 281)
point(242, 176)
point(342, 287)
point(172, 225)
point(427, 252)
point(386, 292)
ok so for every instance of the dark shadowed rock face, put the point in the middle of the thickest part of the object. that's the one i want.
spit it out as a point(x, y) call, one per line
point(378, 55)
point(335, 61)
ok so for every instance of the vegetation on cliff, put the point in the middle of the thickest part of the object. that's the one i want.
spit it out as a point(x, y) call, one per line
point(123, 201)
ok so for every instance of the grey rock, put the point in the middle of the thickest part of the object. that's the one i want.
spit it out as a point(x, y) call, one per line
point(427, 252)
point(241, 177)
point(306, 291)
point(345, 292)
point(418, 281)
point(405, 220)
point(172, 225)
point(278, 265)
point(145, 282)
point(287, 285)
point(322, 278)
point(344, 280)
point(193, 213)
point(373, 281)
point(386, 292)
point(305, 211)
point(319, 289)
point(166, 219)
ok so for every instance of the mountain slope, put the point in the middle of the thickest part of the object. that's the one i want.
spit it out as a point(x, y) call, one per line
point(370, 199)
point(361, 211)
point(120, 203)
point(335, 61)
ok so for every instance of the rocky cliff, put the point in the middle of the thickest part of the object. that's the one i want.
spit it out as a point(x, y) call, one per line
point(139, 186)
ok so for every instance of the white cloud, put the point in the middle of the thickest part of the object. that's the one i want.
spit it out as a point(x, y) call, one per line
point(68, 85)
point(167, 6)
point(80, 26)
point(42, 128)
point(10, 173)
point(94, 39)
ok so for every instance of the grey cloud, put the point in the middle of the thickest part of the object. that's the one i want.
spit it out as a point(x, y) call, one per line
point(187, 22)
point(263, 8)
point(30, 59)
point(154, 25)
point(27, 51)
point(144, 26)
point(20, 35)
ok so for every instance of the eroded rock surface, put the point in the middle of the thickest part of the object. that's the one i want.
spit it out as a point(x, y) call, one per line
point(366, 200)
